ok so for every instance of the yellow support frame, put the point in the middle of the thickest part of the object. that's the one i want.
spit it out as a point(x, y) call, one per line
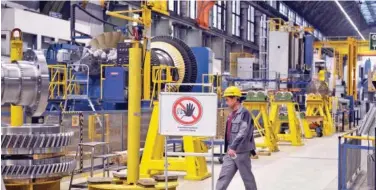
point(294, 127)
point(153, 161)
point(16, 54)
point(351, 48)
point(270, 140)
point(317, 106)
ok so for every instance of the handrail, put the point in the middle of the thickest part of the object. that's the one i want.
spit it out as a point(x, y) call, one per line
point(57, 80)
point(368, 138)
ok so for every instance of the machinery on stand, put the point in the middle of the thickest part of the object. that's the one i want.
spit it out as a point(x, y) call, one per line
point(286, 126)
point(32, 155)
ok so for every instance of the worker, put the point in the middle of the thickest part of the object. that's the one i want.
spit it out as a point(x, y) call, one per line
point(239, 143)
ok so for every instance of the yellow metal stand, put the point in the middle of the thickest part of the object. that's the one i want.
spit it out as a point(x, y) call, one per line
point(153, 161)
point(314, 107)
point(317, 106)
point(270, 138)
point(294, 135)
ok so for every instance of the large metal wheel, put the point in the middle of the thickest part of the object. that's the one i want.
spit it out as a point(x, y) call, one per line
point(167, 50)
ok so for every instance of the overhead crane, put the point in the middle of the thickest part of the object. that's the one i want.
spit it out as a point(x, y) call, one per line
point(350, 48)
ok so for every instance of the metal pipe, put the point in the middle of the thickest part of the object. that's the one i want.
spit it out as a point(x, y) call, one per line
point(134, 113)
point(359, 137)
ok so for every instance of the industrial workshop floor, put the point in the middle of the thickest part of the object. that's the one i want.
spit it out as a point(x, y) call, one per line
point(309, 167)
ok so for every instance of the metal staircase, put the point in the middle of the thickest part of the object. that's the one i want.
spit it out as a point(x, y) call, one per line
point(79, 95)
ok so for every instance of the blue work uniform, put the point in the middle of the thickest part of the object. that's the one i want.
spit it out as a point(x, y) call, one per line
point(239, 137)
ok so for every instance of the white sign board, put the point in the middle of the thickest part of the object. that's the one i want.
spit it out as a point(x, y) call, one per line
point(188, 114)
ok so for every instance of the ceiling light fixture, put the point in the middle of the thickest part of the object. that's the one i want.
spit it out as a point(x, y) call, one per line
point(349, 19)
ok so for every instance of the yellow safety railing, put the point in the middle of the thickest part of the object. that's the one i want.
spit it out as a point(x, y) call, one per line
point(58, 82)
point(348, 135)
point(93, 135)
point(73, 87)
point(216, 80)
point(102, 77)
point(278, 24)
point(157, 77)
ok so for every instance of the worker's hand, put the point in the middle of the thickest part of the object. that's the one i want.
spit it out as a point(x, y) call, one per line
point(231, 153)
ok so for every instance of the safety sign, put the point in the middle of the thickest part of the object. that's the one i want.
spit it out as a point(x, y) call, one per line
point(187, 110)
point(188, 114)
point(372, 41)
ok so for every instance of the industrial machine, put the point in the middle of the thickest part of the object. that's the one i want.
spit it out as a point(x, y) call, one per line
point(32, 155)
point(105, 65)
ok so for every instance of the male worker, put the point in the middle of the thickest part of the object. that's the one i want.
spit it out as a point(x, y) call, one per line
point(239, 143)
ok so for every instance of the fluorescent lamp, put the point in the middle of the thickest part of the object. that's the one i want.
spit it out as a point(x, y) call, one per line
point(349, 19)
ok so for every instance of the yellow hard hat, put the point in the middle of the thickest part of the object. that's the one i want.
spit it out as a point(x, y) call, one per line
point(232, 91)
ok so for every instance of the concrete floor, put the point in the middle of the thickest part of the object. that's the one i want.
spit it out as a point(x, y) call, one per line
point(309, 167)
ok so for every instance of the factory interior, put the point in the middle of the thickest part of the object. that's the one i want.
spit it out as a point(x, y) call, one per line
point(134, 95)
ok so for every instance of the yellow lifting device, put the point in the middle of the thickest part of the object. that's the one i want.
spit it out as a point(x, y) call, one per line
point(294, 132)
point(153, 161)
point(17, 118)
point(16, 54)
point(258, 102)
point(317, 111)
point(134, 98)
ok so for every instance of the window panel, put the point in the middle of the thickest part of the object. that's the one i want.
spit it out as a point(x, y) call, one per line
point(215, 17)
point(238, 26)
point(249, 32)
point(252, 32)
point(235, 18)
point(233, 24)
point(251, 24)
point(282, 9)
point(192, 9)
point(219, 12)
point(252, 14)
point(171, 5)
